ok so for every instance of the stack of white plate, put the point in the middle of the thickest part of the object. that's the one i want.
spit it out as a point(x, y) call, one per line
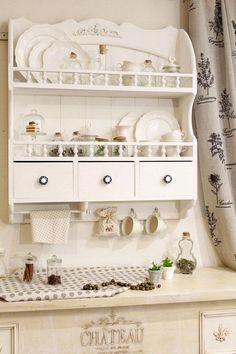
point(45, 47)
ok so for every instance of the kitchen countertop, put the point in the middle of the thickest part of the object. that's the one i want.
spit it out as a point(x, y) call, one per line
point(205, 284)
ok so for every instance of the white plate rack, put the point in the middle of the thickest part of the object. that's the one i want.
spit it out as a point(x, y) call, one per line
point(92, 78)
point(150, 150)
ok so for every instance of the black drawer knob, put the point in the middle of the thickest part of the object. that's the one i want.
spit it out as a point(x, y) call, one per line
point(107, 179)
point(167, 178)
point(43, 180)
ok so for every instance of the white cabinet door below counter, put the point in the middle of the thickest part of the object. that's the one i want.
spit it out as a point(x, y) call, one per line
point(107, 181)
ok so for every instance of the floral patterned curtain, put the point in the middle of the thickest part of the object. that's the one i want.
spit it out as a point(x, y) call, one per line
point(212, 28)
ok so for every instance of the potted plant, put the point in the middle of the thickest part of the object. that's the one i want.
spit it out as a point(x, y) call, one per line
point(168, 268)
point(155, 272)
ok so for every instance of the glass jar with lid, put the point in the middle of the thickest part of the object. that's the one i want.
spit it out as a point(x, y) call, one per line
point(3, 267)
point(30, 268)
point(72, 63)
point(85, 149)
point(54, 149)
point(186, 261)
point(54, 270)
point(147, 66)
point(120, 150)
point(75, 138)
point(100, 149)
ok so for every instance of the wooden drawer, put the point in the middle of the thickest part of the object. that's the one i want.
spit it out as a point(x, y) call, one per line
point(167, 180)
point(28, 181)
point(218, 332)
point(91, 181)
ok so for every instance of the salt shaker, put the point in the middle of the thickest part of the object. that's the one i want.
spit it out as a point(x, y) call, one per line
point(30, 262)
point(54, 270)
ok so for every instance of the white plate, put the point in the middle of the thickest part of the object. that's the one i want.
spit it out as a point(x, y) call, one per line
point(151, 126)
point(36, 57)
point(33, 36)
point(58, 52)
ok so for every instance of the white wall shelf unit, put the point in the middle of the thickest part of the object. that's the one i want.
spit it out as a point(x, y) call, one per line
point(139, 170)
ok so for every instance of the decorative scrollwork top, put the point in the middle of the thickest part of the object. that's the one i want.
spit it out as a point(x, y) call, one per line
point(221, 333)
point(96, 30)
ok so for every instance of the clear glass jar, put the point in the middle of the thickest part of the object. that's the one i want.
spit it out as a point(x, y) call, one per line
point(72, 63)
point(171, 80)
point(3, 267)
point(84, 150)
point(75, 138)
point(186, 261)
point(54, 270)
point(120, 150)
point(54, 149)
point(144, 80)
point(30, 268)
point(100, 149)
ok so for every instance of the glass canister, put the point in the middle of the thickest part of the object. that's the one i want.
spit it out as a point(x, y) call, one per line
point(75, 138)
point(100, 149)
point(3, 267)
point(120, 150)
point(30, 268)
point(144, 80)
point(72, 63)
point(54, 149)
point(85, 149)
point(186, 261)
point(54, 270)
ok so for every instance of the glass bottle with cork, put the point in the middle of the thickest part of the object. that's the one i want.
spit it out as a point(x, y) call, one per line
point(30, 263)
point(186, 261)
point(100, 64)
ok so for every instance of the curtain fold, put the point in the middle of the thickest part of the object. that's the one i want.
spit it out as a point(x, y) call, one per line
point(212, 28)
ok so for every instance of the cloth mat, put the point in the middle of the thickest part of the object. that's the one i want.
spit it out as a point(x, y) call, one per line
point(14, 289)
point(50, 226)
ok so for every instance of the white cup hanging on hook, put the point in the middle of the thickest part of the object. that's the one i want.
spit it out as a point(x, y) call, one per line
point(131, 225)
point(154, 223)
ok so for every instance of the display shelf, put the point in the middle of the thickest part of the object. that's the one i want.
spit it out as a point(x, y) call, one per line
point(139, 169)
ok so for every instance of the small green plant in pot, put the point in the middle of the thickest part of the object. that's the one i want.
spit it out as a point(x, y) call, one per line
point(155, 272)
point(168, 268)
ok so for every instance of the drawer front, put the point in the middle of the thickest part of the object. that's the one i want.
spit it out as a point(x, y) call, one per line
point(167, 180)
point(218, 332)
point(105, 181)
point(30, 184)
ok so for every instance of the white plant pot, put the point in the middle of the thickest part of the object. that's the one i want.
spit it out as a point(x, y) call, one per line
point(168, 272)
point(155, 276)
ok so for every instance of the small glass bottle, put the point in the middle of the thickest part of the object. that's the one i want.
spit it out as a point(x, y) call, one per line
point(54, 270)
point(145, 80)
point(72, 63)
point(30, 263)
point(186, 261)
point(100, 64)
point(3, 267)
